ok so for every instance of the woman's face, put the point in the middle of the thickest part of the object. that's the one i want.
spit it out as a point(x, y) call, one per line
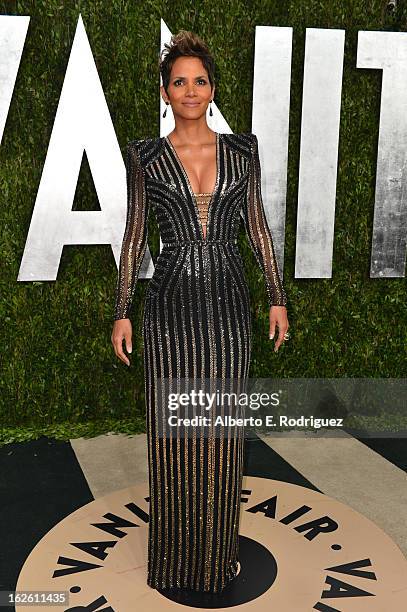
point(189, 89)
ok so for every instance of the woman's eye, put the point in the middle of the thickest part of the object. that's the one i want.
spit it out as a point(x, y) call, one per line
point(180, 81)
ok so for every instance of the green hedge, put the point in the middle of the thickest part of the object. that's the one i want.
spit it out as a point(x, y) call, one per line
point(58, 366)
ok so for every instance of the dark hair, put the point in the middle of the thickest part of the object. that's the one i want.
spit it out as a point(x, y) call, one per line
point(185, 43)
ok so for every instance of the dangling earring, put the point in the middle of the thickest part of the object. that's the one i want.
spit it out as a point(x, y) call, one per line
point(210, 109)
point(165, 112)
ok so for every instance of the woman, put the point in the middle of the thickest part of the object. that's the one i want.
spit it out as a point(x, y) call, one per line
point(197, 323)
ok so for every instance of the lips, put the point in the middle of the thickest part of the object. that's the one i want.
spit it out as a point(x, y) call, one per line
point(191, 103)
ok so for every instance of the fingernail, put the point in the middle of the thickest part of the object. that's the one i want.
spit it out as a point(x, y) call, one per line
point(129, 351)
point(271, 336)
point(275, 350)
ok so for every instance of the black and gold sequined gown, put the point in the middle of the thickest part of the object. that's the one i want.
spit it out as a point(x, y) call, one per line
point(197, 325)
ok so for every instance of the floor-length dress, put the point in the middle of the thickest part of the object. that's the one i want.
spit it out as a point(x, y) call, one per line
point(196, 327)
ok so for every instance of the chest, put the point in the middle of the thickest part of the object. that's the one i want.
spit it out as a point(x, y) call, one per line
point(190, 175)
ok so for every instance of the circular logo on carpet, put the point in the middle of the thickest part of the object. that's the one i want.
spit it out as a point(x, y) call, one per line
point(299, 550)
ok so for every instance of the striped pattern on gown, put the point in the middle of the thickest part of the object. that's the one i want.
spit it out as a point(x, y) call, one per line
point(196, 328)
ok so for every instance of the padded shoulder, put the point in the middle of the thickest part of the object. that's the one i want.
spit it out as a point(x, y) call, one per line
point(242, 143)
point(147, 148)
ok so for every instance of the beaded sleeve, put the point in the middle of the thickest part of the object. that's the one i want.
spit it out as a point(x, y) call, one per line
point(135, 234)
point(259, 234)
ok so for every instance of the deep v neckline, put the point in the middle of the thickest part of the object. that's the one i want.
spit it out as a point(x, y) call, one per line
point(191, 191)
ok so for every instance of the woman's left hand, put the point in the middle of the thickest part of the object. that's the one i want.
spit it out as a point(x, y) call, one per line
point(278, 315)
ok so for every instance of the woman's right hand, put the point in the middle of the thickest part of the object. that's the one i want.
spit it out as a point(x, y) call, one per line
point(122, 330)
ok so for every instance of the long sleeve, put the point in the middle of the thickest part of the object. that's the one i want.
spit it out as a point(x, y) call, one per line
point(135, 235)
point(258, 232)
